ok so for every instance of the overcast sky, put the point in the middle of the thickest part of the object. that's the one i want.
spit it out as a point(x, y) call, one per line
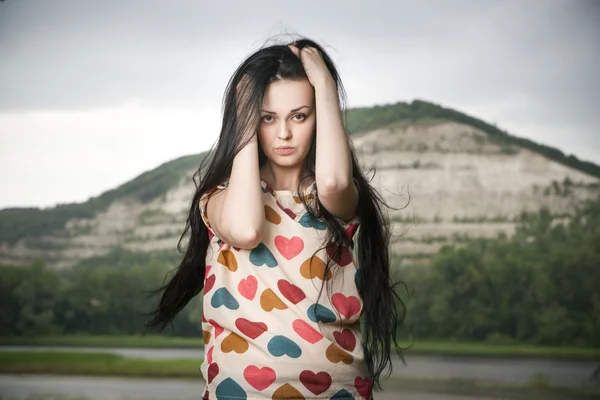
point(93, 93)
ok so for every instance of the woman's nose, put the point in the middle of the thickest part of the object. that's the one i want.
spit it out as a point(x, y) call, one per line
point(284, 131)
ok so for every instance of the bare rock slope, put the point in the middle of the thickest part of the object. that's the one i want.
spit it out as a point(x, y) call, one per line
point(460, 183)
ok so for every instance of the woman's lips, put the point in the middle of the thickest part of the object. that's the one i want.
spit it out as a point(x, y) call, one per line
point(284, 150)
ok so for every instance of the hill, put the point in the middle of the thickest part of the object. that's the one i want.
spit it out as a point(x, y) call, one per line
point(466, 179)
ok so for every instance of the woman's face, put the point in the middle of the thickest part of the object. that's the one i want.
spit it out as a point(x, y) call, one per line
point(288, 122)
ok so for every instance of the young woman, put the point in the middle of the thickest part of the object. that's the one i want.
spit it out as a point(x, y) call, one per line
point(274, 222)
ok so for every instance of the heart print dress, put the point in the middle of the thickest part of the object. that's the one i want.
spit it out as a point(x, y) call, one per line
point(265, 334)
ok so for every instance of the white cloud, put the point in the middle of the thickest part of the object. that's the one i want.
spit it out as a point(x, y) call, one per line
point(67, 156)
point(80, 78)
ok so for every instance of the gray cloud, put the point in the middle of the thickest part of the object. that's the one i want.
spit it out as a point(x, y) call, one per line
point(530, 62)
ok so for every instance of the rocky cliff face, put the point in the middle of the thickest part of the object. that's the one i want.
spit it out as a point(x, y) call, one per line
point(461, 185)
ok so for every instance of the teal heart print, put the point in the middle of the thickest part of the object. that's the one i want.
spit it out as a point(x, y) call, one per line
point(280, 345)
point(222, 297)
point(261, 255)
point(308, 221)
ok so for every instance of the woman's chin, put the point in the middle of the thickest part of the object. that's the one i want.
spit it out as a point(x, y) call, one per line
point(285, 161)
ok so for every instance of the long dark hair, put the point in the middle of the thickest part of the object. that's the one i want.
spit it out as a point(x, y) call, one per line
point(384, 310)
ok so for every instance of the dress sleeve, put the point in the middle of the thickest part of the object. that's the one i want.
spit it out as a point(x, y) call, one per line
point(203, 203)
point(351, 226)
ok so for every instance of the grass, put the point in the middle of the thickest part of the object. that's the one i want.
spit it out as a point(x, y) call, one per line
point(487, 389)
point(95, 364)
point(132, 341)
point(426, 347)
point(501, 350)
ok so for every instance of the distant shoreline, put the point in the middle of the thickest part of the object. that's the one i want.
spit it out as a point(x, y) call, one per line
point(425, 347)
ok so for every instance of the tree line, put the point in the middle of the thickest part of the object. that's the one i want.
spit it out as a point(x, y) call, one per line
point(539, 286)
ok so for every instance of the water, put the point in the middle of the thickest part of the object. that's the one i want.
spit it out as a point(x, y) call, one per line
point(573, 374)
point(506, 370)
point(22, 386)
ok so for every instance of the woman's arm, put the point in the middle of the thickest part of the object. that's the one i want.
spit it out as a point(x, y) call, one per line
point(237, 214)
point(333, 169)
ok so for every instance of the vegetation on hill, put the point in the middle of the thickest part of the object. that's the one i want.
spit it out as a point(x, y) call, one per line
point(538, 287)
point(16, 223)
point(369, 118)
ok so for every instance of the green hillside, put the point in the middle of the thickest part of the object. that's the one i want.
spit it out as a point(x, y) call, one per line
point(536, 288)
point(370, 118)
point(16, 223)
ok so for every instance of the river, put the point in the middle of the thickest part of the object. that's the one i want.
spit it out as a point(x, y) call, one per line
point(573, 374)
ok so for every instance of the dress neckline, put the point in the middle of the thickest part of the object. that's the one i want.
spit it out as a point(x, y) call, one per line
point(269, 189)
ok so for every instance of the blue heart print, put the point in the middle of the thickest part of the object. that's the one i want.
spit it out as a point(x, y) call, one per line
point(308, 221)
point(317, 313)
point(280, 345)
point(229, 389)
point(342, 395)
point(222, 297)
point(262, 255)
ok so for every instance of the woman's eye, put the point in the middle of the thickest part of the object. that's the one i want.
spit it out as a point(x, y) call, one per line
point(302, 117)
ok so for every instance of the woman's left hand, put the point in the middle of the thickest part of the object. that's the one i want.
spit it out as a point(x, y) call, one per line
point(314, 65)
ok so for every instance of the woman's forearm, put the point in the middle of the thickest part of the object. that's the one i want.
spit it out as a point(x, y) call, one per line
point(243, 210)
point(333, 165)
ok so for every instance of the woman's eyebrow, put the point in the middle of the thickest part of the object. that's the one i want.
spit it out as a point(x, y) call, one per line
point(294, 110)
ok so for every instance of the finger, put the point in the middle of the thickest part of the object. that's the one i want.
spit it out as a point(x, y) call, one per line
point(313, 51)
point(294, 49)
point(317, 51)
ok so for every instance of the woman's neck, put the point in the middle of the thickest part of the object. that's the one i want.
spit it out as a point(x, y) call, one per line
point(282, 178)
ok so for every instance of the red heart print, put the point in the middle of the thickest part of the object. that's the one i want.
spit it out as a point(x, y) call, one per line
point(247, 287)
point(218, 328)
point(306, 332)
point(209, 354)
point(351, 230)
point(343, 258)
point(345, 339)
point(363, 386)
point(210, 282)
point(259, 378)
point(347, 306)
point(249, 328)
point(290, 291)
point(289, 248)
point(316, 383)
point(207, 271)
point(290, 213)
point(213, 370)
point(286, 210)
